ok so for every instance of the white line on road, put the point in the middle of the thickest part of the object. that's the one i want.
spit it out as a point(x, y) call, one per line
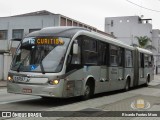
point(12, 101)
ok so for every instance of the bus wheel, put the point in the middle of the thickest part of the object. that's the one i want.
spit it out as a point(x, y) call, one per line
point(147, 81)
point(126, 88)
point(87, 91)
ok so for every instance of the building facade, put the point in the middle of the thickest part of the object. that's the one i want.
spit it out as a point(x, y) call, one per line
point(128, 28)
point(156, 43)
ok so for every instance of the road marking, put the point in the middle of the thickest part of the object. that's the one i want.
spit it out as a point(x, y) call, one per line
point(12, 101)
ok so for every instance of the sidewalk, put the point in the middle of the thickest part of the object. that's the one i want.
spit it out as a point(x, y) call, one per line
point(3, 83)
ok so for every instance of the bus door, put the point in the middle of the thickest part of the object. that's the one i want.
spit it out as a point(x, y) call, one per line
point(114, 68)
point(103, 62)
point(146, 66)
point(141, 69)
point(121, 62)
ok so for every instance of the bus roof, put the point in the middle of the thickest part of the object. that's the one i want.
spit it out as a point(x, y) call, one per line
point(70, 31)
point(57, 31)
point(144, 51)
point(104, 39)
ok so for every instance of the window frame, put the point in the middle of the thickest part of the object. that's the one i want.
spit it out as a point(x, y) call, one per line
point(22, 33)
point(84, 51)
point(5, 33)
point(141, 60)
point(103, 60)
point(116, 59)
point(126, 64)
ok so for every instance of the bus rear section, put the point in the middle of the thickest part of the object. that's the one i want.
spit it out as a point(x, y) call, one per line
point(143, 68)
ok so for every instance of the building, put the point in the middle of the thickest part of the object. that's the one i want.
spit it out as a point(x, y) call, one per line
point(156, 43)
point(19, 26)
point(127, 28)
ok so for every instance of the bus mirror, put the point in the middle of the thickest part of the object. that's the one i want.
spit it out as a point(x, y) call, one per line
point(75, 48)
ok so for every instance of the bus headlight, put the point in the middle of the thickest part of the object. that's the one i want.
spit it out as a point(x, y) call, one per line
point(10, 78)
point(54, 82)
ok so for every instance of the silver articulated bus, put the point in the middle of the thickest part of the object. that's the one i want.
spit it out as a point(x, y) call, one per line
point(71, 61)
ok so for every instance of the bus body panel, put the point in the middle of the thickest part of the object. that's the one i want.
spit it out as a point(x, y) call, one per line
point(104, 79)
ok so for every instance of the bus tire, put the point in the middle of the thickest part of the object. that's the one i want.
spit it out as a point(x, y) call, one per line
point(147, 81)
point(87, 92)
point(127, 85)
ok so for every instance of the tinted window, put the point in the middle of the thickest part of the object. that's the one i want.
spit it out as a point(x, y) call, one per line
point(90, 44)
point(121, 57)
point(102, 53)
point(146, 60)
point(141, 60)
point(128, 59)
point(113, 55)
point(89, 51)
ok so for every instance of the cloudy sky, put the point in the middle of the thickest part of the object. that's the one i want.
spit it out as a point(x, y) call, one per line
point(91, 12)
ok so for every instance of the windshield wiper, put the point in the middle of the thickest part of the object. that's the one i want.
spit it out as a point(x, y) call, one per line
point(42, 68)
point(20, 64)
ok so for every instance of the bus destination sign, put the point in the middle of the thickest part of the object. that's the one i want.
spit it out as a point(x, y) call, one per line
point(49, 41)
point(43, 41)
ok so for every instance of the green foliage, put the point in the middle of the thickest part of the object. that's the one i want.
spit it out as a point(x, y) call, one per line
point(143, 42)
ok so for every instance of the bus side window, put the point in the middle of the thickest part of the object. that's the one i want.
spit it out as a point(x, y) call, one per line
point(121, 57)
point(113, 55)
point(102, 53)
point(89, 51)
point(128, 58)
point(150, 60)
point(146, 60)
point(141, 60)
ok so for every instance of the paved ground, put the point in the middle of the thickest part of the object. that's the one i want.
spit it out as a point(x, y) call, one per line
point(112, 101)
point(3, 83)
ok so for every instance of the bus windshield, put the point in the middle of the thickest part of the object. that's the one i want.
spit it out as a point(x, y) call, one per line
point(40, 54)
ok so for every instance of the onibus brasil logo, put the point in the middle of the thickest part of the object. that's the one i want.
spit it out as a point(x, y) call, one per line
point(140, 104)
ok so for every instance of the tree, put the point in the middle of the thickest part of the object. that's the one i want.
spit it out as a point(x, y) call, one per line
point(143, 43)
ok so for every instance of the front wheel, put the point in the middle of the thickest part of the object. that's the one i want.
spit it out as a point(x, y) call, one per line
point(87, 92)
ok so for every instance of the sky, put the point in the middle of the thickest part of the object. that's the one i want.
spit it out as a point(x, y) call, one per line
point(91, 12)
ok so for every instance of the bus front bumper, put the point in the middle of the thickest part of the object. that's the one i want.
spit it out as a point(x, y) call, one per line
point(38, 90)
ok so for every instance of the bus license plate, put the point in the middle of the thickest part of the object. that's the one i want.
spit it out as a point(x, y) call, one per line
point(27, 90)
point(20, 79)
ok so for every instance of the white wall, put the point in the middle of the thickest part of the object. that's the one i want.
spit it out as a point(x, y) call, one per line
point(7, 62)
point(127, 28)
point(156, 43)
point(4, 45)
